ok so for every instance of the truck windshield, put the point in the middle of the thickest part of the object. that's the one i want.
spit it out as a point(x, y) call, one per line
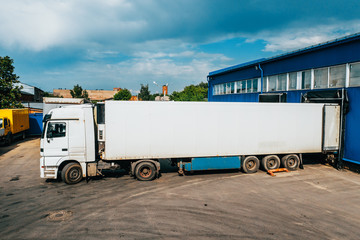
point(1, 122)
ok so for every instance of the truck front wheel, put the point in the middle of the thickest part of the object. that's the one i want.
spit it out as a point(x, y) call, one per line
point(71, 173)
point(250, 164)
point(145, 171)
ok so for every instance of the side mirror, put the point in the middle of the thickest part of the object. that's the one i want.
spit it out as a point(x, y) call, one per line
point(49, 135)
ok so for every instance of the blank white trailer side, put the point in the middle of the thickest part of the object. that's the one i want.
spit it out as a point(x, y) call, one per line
point(152, 130)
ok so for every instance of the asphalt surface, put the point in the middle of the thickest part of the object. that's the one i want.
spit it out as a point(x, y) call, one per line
point(318, 202)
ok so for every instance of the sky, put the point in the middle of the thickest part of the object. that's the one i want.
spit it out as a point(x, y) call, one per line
point(125, 43)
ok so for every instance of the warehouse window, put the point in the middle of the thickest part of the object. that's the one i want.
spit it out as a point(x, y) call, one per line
point(355, 74)
point(292, 80)
point(306, 79)
point(255, 85)
point(272, 83)
point(238, 87)
point(337, 76)
point(227, 88)
point(321, 78)
point(264, 84)
point(281, 85)
point(249, 87)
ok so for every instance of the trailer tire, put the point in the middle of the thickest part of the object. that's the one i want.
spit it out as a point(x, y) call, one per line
point(72, 173)
point(145, 171)
point(250, 164)
point(291, 162)
point(270, 162)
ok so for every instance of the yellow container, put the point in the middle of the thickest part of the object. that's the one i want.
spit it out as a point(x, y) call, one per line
point(18, 118)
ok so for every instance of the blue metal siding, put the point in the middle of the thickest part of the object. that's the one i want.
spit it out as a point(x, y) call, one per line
point(249, 97)
point(213, 163)
point(352, 131)
point(35, 120)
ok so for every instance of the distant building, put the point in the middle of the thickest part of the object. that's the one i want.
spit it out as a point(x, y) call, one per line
point(134, 98)
point(94, 95)
point(30, 93)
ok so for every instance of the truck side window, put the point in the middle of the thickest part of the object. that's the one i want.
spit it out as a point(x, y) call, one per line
point(56, 130)
point(1, 122)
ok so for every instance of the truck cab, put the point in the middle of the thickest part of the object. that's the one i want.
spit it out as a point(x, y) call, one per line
point(4, 130)
point(67, 143)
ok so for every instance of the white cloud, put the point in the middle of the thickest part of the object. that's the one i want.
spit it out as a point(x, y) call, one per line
point(135, 71)
point(293, 38)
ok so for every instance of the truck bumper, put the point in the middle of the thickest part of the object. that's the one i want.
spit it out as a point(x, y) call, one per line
point(49, 172)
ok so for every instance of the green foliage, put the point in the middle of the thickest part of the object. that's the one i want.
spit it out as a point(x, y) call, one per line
point(48, 94)
point(153, 96)
point(123, 95)
point(144, 94)
point(78, 92)
point(9, 94)
point(191, 93)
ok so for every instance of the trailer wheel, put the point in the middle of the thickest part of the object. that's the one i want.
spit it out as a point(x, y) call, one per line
point(291, 162)
point(250, 164)
point(145, 171)
point(270, 162)
point(72, 173)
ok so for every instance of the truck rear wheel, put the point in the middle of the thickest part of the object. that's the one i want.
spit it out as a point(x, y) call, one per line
point(291, 162)
point(250, 164)
point(71, 173)
point(145, 171)
point(270, 162)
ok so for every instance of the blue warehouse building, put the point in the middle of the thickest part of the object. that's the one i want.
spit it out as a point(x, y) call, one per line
point(327, 69)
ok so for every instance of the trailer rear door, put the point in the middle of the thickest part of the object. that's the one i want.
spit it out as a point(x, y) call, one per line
point(331, 127)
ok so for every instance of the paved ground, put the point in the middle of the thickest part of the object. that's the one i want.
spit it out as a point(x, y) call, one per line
point(316, 203)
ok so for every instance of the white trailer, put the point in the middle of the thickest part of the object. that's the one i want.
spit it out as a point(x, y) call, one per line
point(196, 135)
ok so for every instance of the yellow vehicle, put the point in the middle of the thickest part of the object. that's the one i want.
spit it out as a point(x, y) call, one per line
point(13, 124)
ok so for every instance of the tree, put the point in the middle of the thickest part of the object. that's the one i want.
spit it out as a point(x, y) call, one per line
point(9, 93)
point(191, 93)
point(123, 94)
point(78, 92)
point(144, 94)
point(153, 96)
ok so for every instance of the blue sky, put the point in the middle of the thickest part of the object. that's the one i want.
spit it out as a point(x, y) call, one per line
point(125, 43)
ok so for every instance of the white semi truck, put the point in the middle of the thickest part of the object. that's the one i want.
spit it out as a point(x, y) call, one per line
point(77, 140)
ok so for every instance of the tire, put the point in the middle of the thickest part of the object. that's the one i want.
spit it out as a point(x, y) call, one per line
point(145, 171)
point(72, 173)
point(8, 139)
point(270, 162)
point(291, 162)
point(250, 164)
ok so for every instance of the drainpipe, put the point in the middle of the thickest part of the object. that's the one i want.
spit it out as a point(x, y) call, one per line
point(208, 79)
point(262, 78)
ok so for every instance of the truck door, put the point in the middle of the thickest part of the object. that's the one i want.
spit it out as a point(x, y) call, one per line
point(56, 142)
